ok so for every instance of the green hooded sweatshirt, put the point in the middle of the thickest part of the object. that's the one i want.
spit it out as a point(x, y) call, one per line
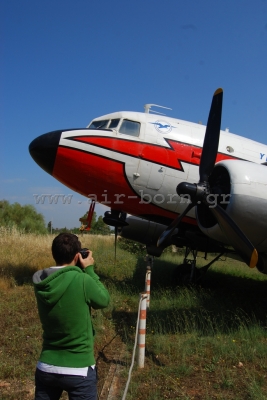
point(64, 298)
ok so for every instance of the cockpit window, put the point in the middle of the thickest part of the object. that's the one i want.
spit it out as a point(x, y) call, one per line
point(130, 127)
point(114, 123)
point(99, 124)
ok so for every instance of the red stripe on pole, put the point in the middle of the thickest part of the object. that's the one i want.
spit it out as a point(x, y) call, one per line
point(142, 331)
point(143, 314)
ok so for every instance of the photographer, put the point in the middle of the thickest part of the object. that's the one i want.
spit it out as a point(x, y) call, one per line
point(64, 296)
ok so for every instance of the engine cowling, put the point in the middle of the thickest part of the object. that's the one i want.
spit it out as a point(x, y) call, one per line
point(141, 230)
point(240, 187)
point(144, 231)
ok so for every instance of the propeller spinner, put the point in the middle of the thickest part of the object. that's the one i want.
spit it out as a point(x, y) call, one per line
point(200, 191)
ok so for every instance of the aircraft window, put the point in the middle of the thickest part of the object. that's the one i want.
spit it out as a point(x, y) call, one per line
point(130, 127)
point(114, 123)
point(99, 124)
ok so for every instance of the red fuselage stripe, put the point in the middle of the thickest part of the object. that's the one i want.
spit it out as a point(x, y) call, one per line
point(170, 157)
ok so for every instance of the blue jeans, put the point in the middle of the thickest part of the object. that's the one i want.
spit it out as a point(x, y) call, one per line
point(50, 386)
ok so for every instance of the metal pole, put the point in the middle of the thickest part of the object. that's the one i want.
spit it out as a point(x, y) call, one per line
point(142, 331)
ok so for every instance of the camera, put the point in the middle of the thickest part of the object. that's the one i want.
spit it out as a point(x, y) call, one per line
point(84, 253)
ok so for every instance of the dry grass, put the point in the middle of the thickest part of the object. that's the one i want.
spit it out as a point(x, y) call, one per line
point(22, 254)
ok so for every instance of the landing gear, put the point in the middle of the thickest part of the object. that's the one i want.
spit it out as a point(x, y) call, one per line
point(117, 219)
point(187, 273)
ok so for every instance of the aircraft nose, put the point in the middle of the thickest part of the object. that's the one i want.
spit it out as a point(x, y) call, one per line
point(43, 150)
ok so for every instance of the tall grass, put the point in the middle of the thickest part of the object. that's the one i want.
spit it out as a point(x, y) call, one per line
point(22, 254)
point(205, 342)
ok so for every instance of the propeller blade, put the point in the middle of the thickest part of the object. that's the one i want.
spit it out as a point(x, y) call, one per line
point(237, 238)
point(169, 231)
point(212, 137)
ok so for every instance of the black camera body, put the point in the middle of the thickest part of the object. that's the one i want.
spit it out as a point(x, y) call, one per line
point(84, 253)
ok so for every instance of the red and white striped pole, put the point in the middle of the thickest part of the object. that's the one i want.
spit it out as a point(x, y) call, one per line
point(142, 330)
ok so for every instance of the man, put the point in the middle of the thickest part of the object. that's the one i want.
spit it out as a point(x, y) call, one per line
point(64, 296)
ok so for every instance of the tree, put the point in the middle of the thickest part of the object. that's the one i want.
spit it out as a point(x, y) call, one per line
point(22, 217)
point(84, 217)
point(100, 227)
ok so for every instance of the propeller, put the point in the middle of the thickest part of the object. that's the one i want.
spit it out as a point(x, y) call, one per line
point(200, 191)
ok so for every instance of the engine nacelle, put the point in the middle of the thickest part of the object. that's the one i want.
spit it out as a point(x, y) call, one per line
point(146, 232)
point(141, 230)
point(240, 187)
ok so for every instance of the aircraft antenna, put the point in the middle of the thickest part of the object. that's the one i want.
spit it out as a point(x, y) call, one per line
point(147, 108)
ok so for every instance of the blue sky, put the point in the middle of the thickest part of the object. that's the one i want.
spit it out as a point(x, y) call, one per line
point(65, 62)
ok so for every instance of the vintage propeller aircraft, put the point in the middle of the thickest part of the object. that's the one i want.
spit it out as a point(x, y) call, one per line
point(145, 168)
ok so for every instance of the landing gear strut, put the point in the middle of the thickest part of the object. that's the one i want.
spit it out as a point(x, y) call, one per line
point(187, 273)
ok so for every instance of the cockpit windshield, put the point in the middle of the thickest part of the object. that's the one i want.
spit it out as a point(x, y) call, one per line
point(105, 124)
point(123, 126)
point(99, 124)
point(114, 123)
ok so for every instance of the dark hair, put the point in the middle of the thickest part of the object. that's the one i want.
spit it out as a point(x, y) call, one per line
point(64, 248)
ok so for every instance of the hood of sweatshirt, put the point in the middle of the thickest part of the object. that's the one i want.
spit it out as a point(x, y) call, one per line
point(50, 284)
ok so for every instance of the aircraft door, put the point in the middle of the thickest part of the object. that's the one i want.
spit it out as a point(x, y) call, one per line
point(150, 173)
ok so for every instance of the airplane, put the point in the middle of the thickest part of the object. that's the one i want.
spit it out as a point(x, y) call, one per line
point(168, 181)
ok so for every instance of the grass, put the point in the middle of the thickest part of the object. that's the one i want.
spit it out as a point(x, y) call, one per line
point(205, 342)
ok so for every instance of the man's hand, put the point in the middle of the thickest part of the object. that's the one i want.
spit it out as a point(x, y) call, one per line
point(85, 262)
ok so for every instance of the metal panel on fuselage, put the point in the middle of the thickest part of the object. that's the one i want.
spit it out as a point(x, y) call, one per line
point(164, 162)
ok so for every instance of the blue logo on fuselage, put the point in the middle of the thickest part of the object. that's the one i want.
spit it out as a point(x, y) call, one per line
point(162, 126)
